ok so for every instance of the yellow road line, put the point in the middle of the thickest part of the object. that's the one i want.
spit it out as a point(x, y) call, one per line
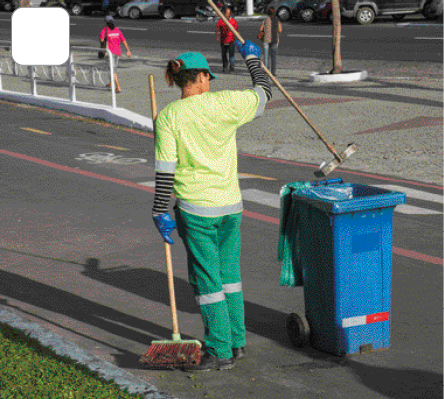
point(251, 176)
point(35, 130)
point(114, 148)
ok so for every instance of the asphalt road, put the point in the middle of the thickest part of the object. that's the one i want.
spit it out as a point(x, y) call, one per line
point(60, 205)
point(73, 189)
point(412, 40)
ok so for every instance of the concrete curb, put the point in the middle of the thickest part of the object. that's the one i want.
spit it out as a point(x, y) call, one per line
point(119, 116)
point(351, 76)
point(61, 347)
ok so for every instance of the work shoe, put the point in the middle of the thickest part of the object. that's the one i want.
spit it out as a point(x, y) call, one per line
point(238, 353)
point(210, 363)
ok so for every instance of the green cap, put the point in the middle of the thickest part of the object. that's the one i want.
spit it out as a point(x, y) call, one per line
point(195, 61)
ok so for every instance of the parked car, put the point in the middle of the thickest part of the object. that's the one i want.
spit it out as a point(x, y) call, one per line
point(365, 11)
point(433, 10)
point(284, 9)
point(49, 3)
point(170, 9)
point(8, 5)
point(323, 11)
point(79, 7)
point(138, 9)
point(295, 9)
point(305, 10)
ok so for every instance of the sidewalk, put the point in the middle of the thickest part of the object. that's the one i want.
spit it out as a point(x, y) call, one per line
point(394, 117)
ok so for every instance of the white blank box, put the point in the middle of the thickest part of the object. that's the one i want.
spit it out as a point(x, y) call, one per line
point(40, 36)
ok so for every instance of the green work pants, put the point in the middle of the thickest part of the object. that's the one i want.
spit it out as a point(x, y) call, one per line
point(213, 252)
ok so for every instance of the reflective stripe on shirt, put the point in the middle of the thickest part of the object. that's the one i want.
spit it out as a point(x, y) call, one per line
point(165, 166)
point(262, 101)
point(208, 210)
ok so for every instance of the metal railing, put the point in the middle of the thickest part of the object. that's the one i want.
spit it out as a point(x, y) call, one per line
point(73, 73)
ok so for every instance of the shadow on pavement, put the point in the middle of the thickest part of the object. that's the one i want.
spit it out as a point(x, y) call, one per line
point(152, 285)
point(405, 383)
point(77, 308)
point(128, 357)
point(146, 283)
point(342, 90)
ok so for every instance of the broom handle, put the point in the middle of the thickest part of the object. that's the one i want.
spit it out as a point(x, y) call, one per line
point(153, 96)
point(278, 85)
point(171, 290)
point(167, 246)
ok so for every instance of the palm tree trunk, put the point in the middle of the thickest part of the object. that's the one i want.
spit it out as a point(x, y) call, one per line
point(337, 61)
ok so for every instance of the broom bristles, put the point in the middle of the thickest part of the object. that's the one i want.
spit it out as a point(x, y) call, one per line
point(169, 354)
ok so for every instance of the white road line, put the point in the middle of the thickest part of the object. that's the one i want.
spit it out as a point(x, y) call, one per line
point(261, 197)
point(414, 210)
point(315, 36)
point(410, 24)
point(129, 28)
point(428, 38)
point(412, 193)
point(273, 200)
point(198, 31)
point(416, 194)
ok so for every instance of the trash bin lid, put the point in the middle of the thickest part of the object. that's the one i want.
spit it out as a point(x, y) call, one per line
point(348, 197)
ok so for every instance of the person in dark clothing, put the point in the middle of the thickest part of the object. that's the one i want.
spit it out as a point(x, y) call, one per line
point(272, 28)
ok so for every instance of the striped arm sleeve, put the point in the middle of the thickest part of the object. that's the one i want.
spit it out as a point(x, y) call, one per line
point(164, 189)
point(258, 75)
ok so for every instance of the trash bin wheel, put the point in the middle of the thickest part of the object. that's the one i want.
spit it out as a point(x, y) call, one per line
point(298, 330)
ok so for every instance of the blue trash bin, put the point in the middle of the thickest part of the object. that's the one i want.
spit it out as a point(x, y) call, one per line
point(346, 255)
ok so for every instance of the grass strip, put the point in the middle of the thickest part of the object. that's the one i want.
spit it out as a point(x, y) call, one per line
point(30, 370)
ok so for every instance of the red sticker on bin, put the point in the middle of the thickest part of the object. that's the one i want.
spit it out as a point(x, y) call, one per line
point(366, 319)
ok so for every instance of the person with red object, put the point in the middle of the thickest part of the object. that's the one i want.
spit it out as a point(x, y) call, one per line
point(226, 39)
point(114, 36)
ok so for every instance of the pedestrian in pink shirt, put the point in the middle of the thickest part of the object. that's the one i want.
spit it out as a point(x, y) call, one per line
point(114, 37)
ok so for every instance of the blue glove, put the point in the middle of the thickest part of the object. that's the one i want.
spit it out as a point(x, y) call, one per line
point(165, 225)
point(248, 48)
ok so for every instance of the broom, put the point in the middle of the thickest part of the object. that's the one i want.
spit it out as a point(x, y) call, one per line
point(176, 353)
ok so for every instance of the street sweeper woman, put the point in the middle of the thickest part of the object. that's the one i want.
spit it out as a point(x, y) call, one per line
point(196, 157)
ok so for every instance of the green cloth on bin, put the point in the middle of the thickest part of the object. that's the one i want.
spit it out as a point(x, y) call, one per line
point(289, 235)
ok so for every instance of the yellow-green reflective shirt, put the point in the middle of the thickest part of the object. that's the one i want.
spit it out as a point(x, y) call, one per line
point(196, 140)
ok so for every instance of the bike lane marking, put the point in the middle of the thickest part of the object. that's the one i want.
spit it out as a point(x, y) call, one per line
point(80, 172)
point(98, 158)
point(398, 251)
